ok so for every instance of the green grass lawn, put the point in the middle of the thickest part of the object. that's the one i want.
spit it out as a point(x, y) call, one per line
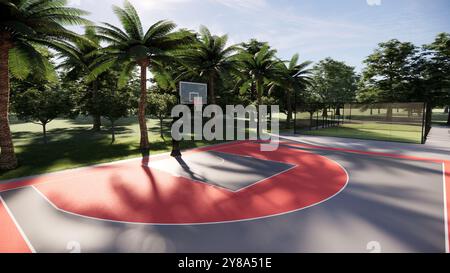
point(374, 131)
point(72, 144)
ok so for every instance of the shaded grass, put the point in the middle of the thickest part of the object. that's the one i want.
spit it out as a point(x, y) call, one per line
point(72, 144)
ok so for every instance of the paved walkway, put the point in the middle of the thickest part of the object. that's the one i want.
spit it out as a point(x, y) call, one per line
point(437, 146)
point(439, 137)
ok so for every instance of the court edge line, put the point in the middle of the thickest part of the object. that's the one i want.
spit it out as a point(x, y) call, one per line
point(50, 175)
point(394, 156)
point(247, 156)
point(199, 224)
point(223, 188)
point(286, 141)
point(257, 218)
point(444, 174)
point(19, 228)
point(189, 151)
point(18, 179)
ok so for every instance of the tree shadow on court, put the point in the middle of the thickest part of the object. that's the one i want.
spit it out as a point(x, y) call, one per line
point(389, 165)
point(399, 217)
point(385, 146)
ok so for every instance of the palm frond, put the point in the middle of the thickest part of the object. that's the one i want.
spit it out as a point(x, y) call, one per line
point(128, 22)
point(159, 30)
point(19, 65)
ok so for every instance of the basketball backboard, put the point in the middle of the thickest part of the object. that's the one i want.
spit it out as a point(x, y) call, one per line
point(191, 90)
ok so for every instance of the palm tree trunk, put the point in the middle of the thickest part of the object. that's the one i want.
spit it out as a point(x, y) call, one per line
point(144, 145)
point(44, 131)
point(97, 124)
point(338, 110)
point(389, 113)
point(161, 119)
point(212, 91)
point(252, 91)
point(113, 131)
point(259, 102)
point(8, 158)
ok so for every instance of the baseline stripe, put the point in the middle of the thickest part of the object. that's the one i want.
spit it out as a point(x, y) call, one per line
point(408, 157)
point(17, 183)
point(11, 237)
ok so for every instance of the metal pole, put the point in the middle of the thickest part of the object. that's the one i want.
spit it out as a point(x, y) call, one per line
point(295, 114)
point(175, 144)
point(424, 110)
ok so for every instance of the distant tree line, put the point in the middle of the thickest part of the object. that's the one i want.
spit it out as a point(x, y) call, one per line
point(48, 71)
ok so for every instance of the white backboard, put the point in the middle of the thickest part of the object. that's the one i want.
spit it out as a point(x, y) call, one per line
point(190, 90)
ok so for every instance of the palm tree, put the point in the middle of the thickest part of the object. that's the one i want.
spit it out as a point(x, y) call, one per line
point(258, 69)
point(25, 25)
point(210, 58)
point(294, 78)
point(132, 47)
point(253, 46)
point(77, 64)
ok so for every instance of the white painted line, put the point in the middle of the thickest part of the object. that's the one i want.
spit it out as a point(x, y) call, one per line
point(445, 209)
point(267, 178)
point(173, 173)
point(68, 171)
point(22, 233)
point(201, 224)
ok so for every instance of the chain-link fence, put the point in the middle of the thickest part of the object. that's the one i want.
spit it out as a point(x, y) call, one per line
point(403, 122)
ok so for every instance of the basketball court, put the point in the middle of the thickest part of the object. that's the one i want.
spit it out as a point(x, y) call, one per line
point(232, 197)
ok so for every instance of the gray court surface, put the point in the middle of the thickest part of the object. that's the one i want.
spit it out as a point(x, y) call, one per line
point(229, 171)
point(394, 204)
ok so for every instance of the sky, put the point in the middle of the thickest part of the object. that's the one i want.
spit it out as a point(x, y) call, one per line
point(345, 30)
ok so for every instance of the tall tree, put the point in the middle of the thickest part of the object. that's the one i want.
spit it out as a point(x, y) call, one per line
point(211, 59)
point(133, 47)
point(24, 24)
point(294, 79)
point(114, 104)
point(334, 82)
point(42, 104)
point(258, 69)
point(252, 47)
point(389, 69)
point(77, 64)
point(437, 72)
point(160, 105)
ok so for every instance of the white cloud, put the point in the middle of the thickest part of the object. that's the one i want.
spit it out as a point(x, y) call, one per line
point(246, 4)
point(173, 4)
point(74, 3)
point(159, 4)
point(373, 2)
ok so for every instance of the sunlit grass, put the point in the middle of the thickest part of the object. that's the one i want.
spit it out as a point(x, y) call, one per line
point(373, 131)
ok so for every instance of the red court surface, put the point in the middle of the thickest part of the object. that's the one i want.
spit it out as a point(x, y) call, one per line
point(11, 239)
point(147, 195)
point(126, 192)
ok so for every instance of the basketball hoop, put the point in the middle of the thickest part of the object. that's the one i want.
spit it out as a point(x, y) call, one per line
point(189, 91)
